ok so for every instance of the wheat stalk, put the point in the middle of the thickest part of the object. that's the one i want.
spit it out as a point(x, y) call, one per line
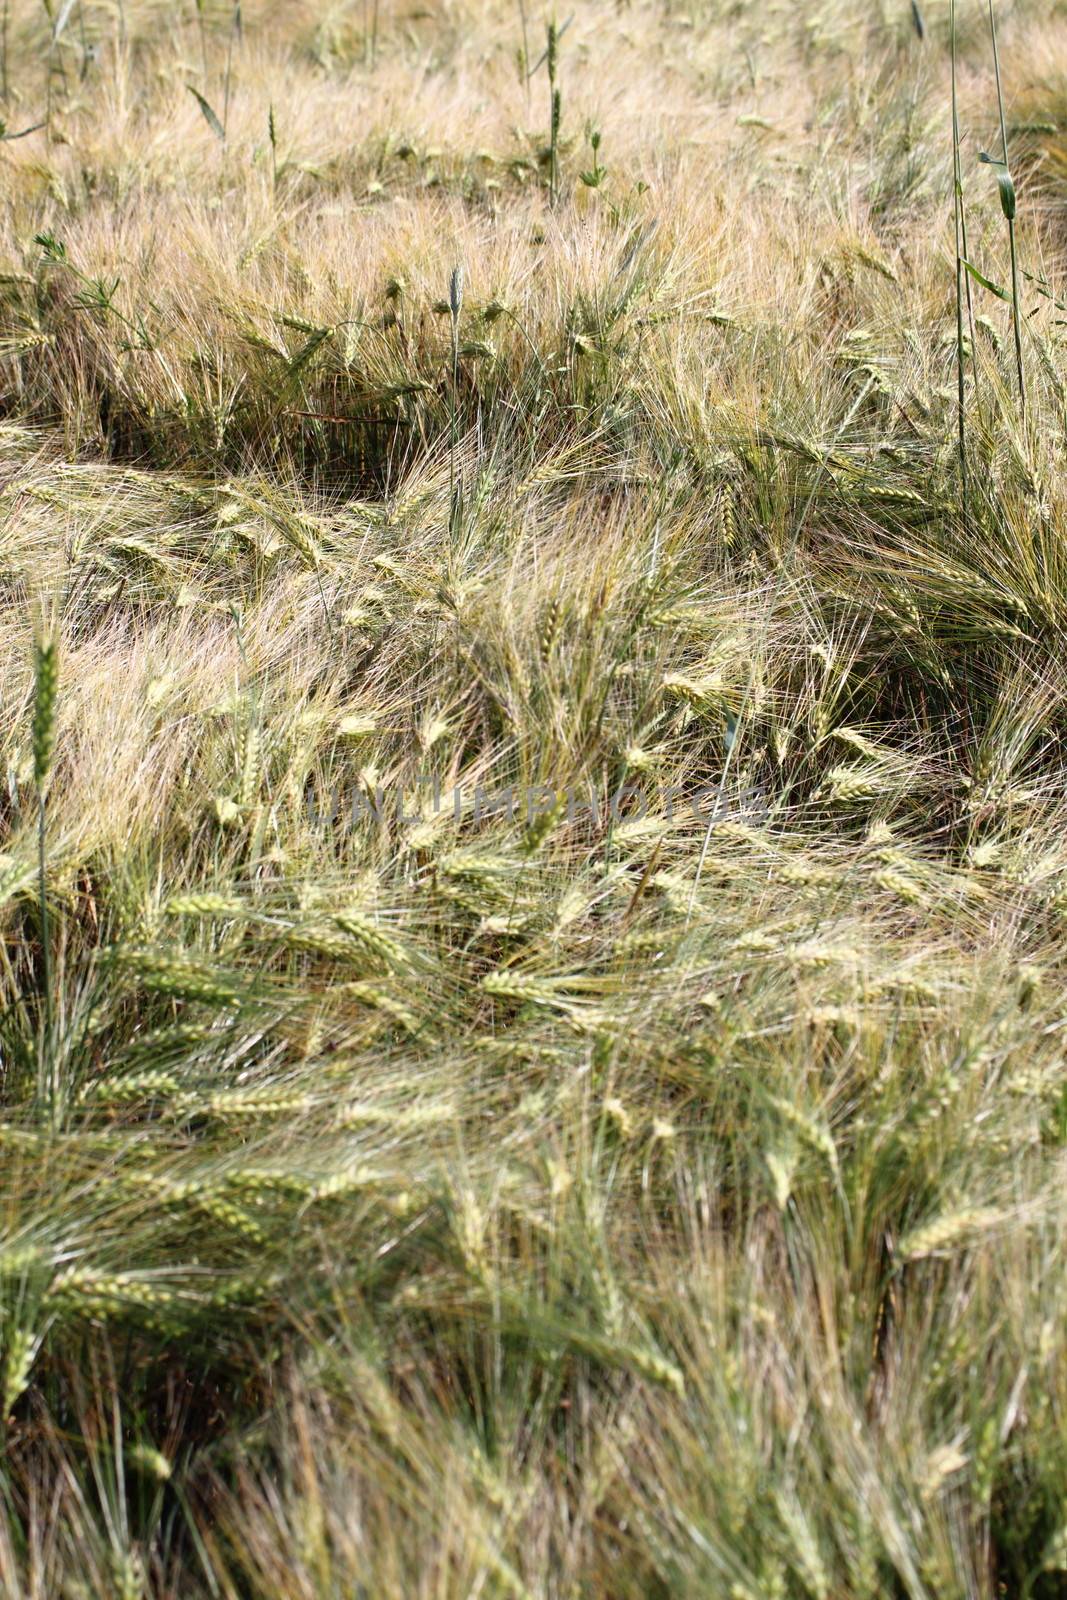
point(1006, 190)
point(46, 663)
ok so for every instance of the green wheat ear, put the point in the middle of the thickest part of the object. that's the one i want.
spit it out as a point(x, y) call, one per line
point(46, 664)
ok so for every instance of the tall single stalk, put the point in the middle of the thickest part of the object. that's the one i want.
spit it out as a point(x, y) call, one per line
point(46, 672)
point(203, 42)
point(455, 306)
point(525, 48)
point(272, 134)
point(1007, 205)
point(555, 108)
point(961, 250)
point(235, 35)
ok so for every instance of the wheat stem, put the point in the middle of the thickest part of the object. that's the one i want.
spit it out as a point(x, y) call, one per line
point(555, 112)
point(46, 663)
point(455, 306)
point(1007, 195)
point(958, 215)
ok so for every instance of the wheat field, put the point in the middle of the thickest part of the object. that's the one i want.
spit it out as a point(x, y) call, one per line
point(533, 830)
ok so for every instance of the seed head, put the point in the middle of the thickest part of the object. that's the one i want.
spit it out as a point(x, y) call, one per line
point(21, 1353)
point(46, 662)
